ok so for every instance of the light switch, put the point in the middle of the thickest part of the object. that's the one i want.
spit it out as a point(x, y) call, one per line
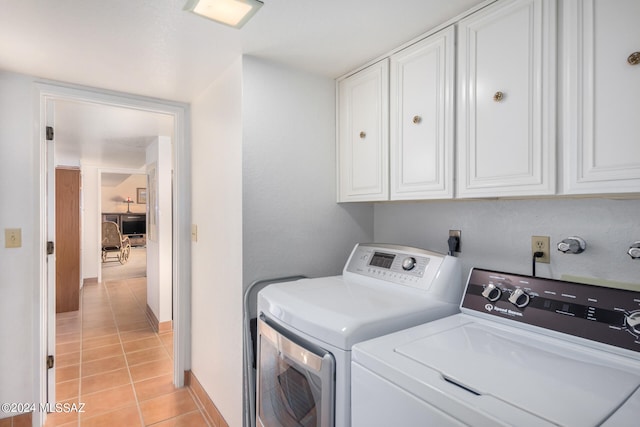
point(12, 237)
point(194, 233)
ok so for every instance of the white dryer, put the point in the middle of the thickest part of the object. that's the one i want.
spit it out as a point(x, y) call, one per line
point(524, 351)
point(306, 328)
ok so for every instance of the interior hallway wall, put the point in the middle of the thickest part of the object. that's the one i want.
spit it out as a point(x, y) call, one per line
point(289, 180)
point(20, 207)
point(496, 234)
point(160, 234)
point(216, 285)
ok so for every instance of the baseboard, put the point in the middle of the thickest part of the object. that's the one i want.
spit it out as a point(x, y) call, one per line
point(90, 281)
point(22, 420)
point(210, 410)
point(165, 326)
point(152, 319)
point(158, 327)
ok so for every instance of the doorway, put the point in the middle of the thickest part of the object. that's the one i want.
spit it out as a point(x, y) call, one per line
point(123, 201)
point(48, 95)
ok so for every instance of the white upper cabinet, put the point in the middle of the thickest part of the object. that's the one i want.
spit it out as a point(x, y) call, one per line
point(506, 100)
point(601, 96)
point(422, 119)
point(363, 135)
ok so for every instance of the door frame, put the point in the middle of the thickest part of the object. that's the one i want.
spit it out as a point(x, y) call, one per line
point(45, 91)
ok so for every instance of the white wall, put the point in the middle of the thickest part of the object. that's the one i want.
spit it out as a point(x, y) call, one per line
point(496, 234)
point(19, 281)
point(91, 234)
point(291, 222)
point(159, 237)
point(216, 315)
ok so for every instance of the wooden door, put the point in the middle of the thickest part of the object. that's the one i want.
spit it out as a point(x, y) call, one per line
point(67, 240)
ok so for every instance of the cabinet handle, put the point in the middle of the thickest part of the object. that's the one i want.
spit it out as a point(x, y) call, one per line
point(634, 58)
point(417, 119)
point(363, 135)
point(498, 96)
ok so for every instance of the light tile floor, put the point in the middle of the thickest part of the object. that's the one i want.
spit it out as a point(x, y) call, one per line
point(109, 358)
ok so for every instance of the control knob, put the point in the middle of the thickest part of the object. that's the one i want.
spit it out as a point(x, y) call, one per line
point(519, 298)
point(408, 263)
point(492, 292)
point(633, 321)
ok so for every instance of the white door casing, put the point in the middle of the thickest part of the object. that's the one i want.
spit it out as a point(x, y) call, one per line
point(46, 93)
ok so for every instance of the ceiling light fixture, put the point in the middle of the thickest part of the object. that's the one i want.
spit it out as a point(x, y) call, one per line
point(234, 13)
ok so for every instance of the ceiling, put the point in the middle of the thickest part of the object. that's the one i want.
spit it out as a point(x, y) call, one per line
point(106, 135)
point(154, 48)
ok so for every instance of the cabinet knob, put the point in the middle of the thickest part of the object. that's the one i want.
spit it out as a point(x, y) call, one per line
point(417, 119)
point(634, 58)
point(363, 135)
point(498, 96)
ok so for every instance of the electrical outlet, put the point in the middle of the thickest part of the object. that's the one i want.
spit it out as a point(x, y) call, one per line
point(12, 237)
point(541, 244)
point(456, 233)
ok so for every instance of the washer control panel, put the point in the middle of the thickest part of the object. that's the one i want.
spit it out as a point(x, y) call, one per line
point(607, 315)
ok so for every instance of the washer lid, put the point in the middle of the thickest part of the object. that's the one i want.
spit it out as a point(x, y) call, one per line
point(343, 312)
point(559, 382)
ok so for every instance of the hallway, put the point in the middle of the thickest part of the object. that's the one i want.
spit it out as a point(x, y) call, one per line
point(109, 358)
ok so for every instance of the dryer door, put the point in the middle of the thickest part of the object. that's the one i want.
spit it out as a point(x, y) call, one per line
point(296, 380)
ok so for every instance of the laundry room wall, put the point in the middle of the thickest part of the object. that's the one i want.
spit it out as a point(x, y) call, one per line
point(496, 234)
point(291, 222)
point(216, 283)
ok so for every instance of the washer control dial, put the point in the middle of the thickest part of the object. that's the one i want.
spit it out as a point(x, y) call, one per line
point(633, 321)
point(408, 263)
point(492, 292)
point(519, 298)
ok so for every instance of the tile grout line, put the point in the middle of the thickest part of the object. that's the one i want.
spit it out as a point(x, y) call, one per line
point(117, 300)
point(81, 342)
point(200, 407)
point(124, 355)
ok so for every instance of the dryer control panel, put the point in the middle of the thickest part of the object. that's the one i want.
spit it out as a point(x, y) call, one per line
point(605, 315)
point(408, 266)
point(392, 263)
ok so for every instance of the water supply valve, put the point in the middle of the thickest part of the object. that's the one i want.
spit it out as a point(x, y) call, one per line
point(572, 245)
point(634, 250)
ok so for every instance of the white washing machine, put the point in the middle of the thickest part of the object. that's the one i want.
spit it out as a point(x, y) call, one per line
point(524, 351)
point(306, 328)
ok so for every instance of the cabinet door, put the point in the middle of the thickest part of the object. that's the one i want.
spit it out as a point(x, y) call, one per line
point(602, 96)
point(363, 135)
point(422, 119)
point(506, 100)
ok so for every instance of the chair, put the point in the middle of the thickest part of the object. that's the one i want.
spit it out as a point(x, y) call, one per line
point(114, 241)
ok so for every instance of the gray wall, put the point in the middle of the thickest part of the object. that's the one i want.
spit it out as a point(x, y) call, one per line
point(496, 234)
point(291, 221)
